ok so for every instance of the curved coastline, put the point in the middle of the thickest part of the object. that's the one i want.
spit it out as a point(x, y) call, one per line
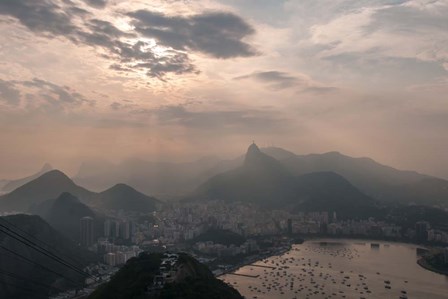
point(422, 263)
point(253, 260)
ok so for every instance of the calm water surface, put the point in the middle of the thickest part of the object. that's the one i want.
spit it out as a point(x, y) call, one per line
point(340, 269)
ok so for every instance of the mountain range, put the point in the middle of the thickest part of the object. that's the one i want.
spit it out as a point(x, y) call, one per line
point(50, 185)
point(379, 181)
point(162, 179)
point(10, 185)
point(173, 180)
point(47, 186)
point(265, 181)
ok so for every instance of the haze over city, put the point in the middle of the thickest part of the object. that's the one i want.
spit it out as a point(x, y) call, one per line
point(179, 80)
point(223, 149)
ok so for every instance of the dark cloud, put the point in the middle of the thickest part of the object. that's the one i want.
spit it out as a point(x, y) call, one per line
point(321, 89)
point(55, 94)
point(77, 11)
point(96, 3)
point(49, 18)
point(44, 94)
point(218, 34)
point(8, 93)
point(282, 80)
point(276, 79)
point(115, 106)
point(106, 28)
point(138, 57)
point(41, 16)
point(245, 120)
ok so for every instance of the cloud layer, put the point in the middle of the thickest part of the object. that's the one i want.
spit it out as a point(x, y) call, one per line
point(218, 34)
point(364, 77)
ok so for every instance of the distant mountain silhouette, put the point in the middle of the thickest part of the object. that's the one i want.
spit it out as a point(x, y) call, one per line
point(172, 180)
point(161, 179)
point(63, 213)
point(431, 191)
point(124, 197)
point(2, 184)
point(47, 186)
point(14, 184)
point(55, 242)
point(265, 181)
point(52, 184)
point(374, 179)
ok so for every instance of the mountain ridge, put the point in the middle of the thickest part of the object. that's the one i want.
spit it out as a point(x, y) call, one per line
point(11, 185)
point(263, 180)
point(63, 213)
point(52, 184)
point(47, 186)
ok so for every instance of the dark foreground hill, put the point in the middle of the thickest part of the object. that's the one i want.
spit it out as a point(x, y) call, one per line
point(265, 181)
point(189, 280)
point(35, 281)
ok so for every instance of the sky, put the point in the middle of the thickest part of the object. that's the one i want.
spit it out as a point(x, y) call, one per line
point(181, 79)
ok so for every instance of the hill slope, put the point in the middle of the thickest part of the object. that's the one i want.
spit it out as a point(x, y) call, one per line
point(63, 213)
point(265, 181)
point(14, 184)
point(158, 178)
point(374, 179)
point(58, 244)
point(52, 184)
point(124, 197)
point(192, 280)
point(47, 186)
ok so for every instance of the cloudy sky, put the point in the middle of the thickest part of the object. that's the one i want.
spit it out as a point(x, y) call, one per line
point(176, 80)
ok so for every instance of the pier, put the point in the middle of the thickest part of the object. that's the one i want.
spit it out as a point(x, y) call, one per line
point(245, 275)
point(263, 266)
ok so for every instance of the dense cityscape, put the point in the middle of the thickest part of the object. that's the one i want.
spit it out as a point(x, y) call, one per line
point(178, 227)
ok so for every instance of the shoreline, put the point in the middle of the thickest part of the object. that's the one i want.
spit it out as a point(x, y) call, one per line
point(251, 261)
point(365, 238)
point(422, 263)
